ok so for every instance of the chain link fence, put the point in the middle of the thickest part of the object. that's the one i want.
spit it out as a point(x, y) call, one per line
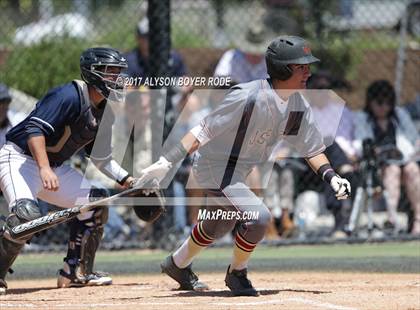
point(358, 42)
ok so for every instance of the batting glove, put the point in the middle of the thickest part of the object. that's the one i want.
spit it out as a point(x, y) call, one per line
point(341, 187)
point(156, 171)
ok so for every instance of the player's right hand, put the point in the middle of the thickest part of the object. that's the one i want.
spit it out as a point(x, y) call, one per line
point(157, 171)
point(49, 179)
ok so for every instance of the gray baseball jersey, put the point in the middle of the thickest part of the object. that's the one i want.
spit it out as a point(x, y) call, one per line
point(246, 127)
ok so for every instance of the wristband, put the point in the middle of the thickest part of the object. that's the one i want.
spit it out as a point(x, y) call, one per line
point(122, 181)
point(326, 172)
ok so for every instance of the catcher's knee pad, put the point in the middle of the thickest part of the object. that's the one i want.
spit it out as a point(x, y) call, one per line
point(99, 215)
point(9, 250)
point(23, 211)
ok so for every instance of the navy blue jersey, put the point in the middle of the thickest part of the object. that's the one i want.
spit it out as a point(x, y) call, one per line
point(67, 121)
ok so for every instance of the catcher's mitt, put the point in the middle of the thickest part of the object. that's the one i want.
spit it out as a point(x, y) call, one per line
point(153, 205)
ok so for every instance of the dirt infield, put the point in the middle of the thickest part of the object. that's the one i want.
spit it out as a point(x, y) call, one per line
point(295, 290)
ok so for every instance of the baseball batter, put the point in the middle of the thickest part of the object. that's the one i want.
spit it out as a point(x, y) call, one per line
point(240, 133)
point(31, 163)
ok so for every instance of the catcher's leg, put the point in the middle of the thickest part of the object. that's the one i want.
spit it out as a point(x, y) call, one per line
point(84, 240)
point(19, 182)
point(23, 211)
point(9, 250)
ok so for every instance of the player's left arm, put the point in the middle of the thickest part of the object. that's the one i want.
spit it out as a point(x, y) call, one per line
point(100, 152)
point(102, 159)
point(114, 171)
point(321, 166)
point(111, 168)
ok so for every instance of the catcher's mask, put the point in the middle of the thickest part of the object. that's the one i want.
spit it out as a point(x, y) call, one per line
point(102, 68)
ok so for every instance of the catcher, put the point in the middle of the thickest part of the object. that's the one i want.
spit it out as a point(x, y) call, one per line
point(66, 120)
point(240, 133)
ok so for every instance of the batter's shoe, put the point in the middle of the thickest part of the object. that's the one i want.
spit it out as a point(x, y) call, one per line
point(186, 278)
point(3, 287)
point(238, 282)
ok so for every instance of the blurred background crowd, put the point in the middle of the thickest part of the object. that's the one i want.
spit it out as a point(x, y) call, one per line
point(370, 58)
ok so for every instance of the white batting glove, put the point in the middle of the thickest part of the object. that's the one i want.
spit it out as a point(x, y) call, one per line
point(156, 171)
point(341, 187)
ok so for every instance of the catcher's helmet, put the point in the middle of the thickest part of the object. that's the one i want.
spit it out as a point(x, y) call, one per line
point(95, 64)
point(286, 50)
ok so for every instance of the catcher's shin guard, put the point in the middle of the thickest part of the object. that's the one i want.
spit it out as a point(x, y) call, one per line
point(9, 250)
point(85, 237)
point(23, 211)
point(89, 245)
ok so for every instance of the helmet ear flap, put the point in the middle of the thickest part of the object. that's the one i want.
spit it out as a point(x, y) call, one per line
point(283, 73)
point(277, 70)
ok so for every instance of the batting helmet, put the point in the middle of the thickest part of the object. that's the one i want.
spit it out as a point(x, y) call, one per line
point(94, 66)
point(286, 50)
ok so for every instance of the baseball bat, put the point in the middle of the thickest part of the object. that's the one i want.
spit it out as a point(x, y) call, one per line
point(27, 229)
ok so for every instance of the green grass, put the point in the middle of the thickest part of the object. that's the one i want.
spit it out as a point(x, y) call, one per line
point(386, 258)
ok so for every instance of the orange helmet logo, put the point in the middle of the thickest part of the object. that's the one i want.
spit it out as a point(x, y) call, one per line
point(306, 49)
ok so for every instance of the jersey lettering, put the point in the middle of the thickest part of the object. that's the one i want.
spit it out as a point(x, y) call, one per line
point(261, 137)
